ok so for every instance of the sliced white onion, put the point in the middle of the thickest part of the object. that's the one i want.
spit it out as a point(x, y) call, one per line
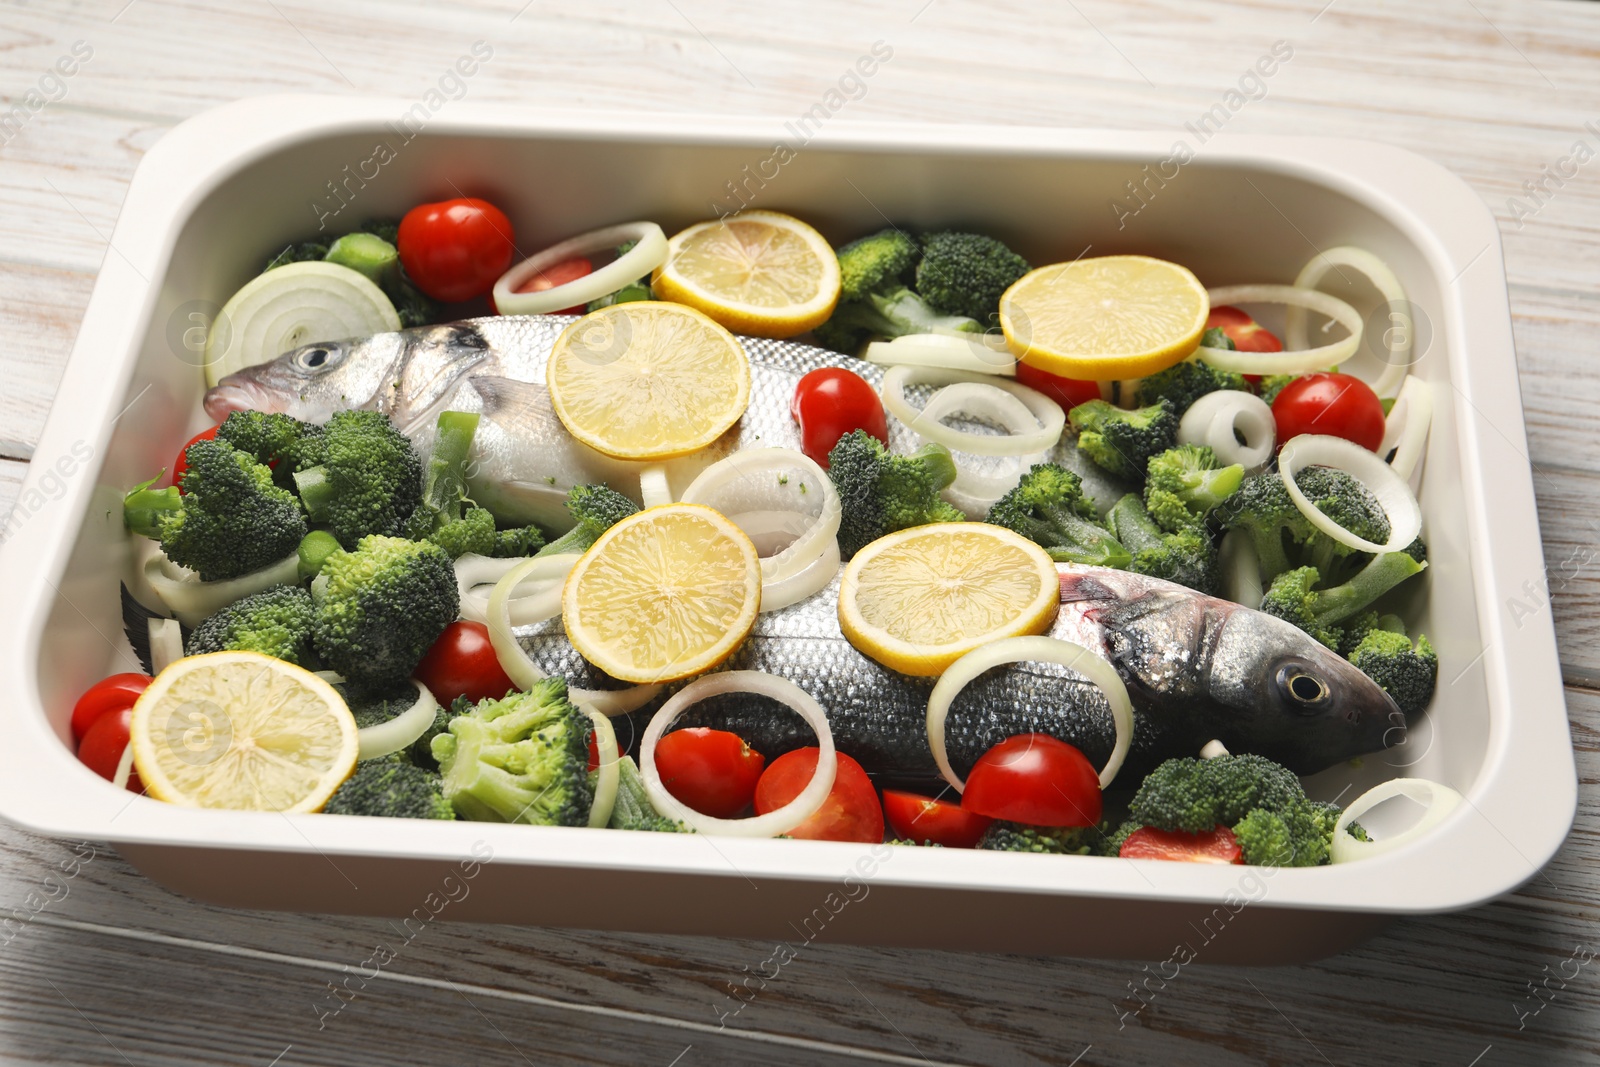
point(1398, 364)
point(1438, 800)
point(1241, 571)
point(605, 786)
point(1296, 361)
point(1213, 749)
point(291, 306)
point(653, 487)
point(941, 350)
point(980, 489)
point(1048, 414)
point(331, 677)
point(773, 823)
point(1074, 657)
point(775, 495)
point(1216, 418)
point(384, 738)
point(646, 255)
point(166, 643)
point(124, 768)
point(194, 601)
point(807, 582)
point(514, 659)
point(1394, 495)
point(1413, 408)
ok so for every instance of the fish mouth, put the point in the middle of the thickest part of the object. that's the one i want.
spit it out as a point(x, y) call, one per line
point(226, 397)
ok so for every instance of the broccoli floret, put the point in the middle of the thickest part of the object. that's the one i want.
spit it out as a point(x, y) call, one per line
point(882, 492)
point(421, 750)
point(230, 519)
point(1357, 831)
point(516, 541)
point(278, 440)
point(596, 509)
point(1284, 538)
point(1059, 840)
point(298, 253)
point(380, 608)
point(1048, 507)
point(361, 477)
point(1183, 484)
point(633, 810)
point(1270, 386)
point(1407, 673)
point(473, 532)
point(1295, 596)
point(965, 273)
point(275, 622)
point(390, 788)
point(1185, 382)
point(1111, 844)
point(1187, 557)
point(894, 313)
point(875, 263)
point(1122, 441)
point(1261, 801)
point(521, 759)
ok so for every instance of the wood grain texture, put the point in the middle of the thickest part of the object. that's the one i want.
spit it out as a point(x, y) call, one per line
point(117, 969)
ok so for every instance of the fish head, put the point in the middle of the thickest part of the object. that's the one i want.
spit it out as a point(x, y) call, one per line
point(1293, 699)
point(313, 381)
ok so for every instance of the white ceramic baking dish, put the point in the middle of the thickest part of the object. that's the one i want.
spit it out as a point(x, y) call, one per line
point(226, 189)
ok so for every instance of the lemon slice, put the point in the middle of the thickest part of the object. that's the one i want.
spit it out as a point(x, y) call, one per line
point(920, 599)
point(759, 272)
point(647, 380)
point(664, 594)
point(242, 731)
point(1106, 318)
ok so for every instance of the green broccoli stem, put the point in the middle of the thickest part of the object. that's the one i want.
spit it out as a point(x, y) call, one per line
point(143, 507)
point(938, 462)
point(1385, 572)
point(1270, 554)
point(369, 254)
point(315, 548)
point(1088, 543)
point(578, 539)
point(316, 492)
point(1132, 525)
point(445, 482)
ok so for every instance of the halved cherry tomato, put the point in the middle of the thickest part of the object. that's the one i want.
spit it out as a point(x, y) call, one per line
point(102, 747)
point(181, 464)
point(1330, 403)
point(568, 270)
point(712, 771)
point(1246, 333)
point(115, 693)
point(1068, 392)
point(462, 663)
point(830, 402)
point(455, 249)
point(1214, 846)
point(926, 820)
point(850, 812)
point(1034, 779)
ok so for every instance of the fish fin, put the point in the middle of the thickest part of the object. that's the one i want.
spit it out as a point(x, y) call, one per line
point(506, 396)
point(1084, 588)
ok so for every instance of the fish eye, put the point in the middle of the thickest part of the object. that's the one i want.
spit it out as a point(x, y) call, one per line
point(319, 358)
point(1301, 686)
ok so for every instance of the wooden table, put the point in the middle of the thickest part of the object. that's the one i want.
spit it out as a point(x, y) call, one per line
point(112, 968)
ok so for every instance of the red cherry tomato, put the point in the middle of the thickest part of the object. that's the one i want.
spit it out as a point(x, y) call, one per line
point(850, 812)
point(1329, 403)
point(568, 270)
point(462, 663)
point(102, 747)
point(1068, 392)
point(455, 249)
point(925, 820)
point(712, 771)
point(1034, 779)
point(1246, 333)
point(830, 402)
point(115, 693)
point(181, 464)
point(1216, 846)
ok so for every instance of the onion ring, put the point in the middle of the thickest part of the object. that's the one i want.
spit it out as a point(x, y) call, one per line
point(758, 490)
point(1017, 650)
point(1394, 495)
point(194, 601)
point(1298, 361)
point(1052, 420)
point(400, 731)
point(1440, 801)
point(803, 583)
point(474, 571)
point(124, 767)
point(1216, 418)
point(945, 352)
point(773, 823)
point(1398, 364)
point(1414, 409)
point(648, 253)
point(514, 659)
point(653, 487)
point(166, 643)
point(1241, 571)
point(605, 785)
